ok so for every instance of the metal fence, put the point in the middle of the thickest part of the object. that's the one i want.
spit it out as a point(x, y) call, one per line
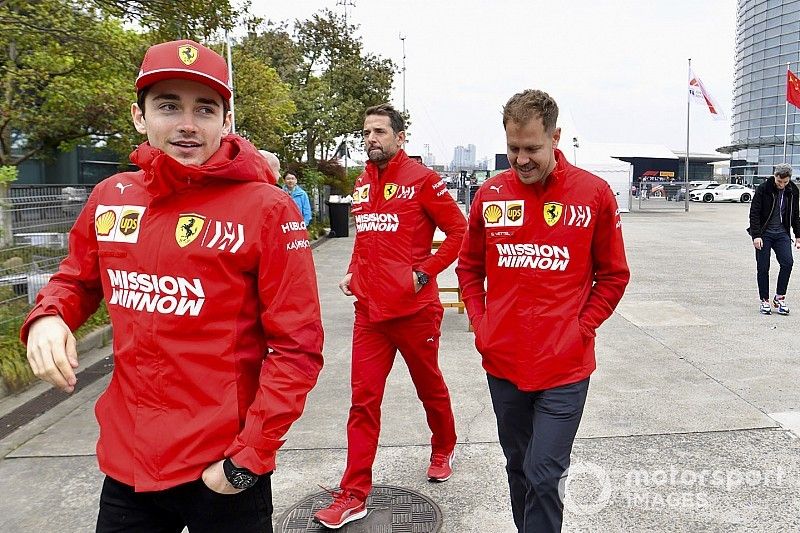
point(38, 218)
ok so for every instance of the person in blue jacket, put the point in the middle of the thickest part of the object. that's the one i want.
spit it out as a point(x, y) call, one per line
point(299, 196)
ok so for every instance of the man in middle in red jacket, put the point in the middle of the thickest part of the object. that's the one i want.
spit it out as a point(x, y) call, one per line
point(397, 205)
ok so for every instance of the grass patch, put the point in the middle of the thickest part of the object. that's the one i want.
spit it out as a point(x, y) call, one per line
point(14, 369)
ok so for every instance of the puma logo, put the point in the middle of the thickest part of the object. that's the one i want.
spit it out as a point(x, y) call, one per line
point(430, 339)
point(496, 188)
point(122, 187)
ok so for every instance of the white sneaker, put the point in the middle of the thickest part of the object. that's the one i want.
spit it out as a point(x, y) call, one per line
point(780, 304)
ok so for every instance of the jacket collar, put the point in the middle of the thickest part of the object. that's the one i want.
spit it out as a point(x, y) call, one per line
point(236, 160)
point(394, 163)
point(556, 175)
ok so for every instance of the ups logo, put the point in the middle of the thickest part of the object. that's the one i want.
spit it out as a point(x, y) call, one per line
point(129, 222)
point(503, 213)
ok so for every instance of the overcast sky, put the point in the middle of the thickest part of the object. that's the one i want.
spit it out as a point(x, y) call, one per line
point(618, 69)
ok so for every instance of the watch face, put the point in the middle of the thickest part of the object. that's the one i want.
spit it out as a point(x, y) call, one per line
point(242, 480)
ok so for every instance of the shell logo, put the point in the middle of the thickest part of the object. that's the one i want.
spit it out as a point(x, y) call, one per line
point(492, 214)
point(104, 223)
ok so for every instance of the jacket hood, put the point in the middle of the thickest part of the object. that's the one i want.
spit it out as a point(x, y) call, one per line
point(236, 160)
point(770, 184)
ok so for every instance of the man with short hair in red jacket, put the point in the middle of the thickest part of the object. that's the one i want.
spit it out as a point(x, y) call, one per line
point(397, 205)
point(542, 266)
point(217, 330)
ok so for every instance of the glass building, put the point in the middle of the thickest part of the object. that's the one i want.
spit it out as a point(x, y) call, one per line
point(767, 39)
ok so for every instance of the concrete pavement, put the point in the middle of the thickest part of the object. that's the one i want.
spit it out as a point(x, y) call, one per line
point(691, 423)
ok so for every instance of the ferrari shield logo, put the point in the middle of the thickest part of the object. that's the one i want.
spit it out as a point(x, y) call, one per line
point(552, 212)
point(188, 54)
point(188, 228)
point(389, 190)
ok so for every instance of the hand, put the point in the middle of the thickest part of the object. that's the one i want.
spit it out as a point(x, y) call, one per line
point(758, 243)
point(417, 286)
point(52, 352)
point(214, 478)
point(344, 285)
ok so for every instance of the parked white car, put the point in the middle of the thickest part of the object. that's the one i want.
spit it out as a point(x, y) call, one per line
point(727, 192)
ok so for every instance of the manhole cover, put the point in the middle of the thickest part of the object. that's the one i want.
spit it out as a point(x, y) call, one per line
point(389, 510)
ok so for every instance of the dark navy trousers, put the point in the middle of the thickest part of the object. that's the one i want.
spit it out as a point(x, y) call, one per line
point(536, 431)
point(782, 244)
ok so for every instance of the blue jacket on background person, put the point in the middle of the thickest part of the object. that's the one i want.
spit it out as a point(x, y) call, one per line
point(299, 196)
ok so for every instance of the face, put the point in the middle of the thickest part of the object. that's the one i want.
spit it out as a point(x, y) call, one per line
point(184, 120)
point(291, 180)
point(781, 183)
point(530, 149)
point(380, 140)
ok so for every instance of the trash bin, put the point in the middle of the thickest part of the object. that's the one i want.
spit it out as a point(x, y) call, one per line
point(339, 213)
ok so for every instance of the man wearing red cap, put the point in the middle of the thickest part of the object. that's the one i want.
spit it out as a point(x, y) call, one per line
point(217, 331)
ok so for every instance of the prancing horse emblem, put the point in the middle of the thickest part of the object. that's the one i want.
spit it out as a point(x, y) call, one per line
point(188, 228)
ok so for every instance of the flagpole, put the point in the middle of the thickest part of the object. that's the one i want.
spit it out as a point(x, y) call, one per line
point(688, 108)
point(230, 74)
point(786, 113)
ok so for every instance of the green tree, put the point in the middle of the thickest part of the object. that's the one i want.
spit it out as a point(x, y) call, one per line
point(332, 78)
point(67, 67)
point(264, 105)
point(65, 78)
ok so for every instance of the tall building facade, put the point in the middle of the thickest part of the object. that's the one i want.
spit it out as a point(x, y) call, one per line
point(767, 41)
point(464, 158)
point(428, 159)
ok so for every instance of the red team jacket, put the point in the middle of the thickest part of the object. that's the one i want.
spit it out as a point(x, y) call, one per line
point(555, 269)
point(204, 269)
point(396, 215)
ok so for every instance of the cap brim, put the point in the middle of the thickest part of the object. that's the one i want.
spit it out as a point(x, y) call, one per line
point(155, 76)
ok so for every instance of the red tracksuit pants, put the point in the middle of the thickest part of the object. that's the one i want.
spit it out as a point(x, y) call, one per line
point(375, 345)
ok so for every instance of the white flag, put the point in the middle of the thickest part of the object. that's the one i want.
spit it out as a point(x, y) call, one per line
point(700, 94)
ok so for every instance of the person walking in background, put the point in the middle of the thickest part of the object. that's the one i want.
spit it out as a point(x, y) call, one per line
point(215, 347)
point(542, 266)
point(299, 196)
point(274, 165)
point(397, 205)
point(774, 214)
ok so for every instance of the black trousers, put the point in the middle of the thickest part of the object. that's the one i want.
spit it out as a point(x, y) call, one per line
point(536, 431)
point(191, 505)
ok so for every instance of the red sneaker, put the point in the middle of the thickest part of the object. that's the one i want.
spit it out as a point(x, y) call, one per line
point(343, 509)
point(441, 466)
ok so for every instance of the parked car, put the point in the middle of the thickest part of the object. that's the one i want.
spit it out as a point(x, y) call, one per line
point(727, 192)
point(697, 184)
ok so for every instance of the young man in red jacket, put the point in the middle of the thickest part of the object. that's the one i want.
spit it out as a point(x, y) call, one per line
point(217, 331)
point(545, 238)
point(397, 205)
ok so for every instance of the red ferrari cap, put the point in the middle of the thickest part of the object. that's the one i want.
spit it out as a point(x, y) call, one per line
point(187, 60)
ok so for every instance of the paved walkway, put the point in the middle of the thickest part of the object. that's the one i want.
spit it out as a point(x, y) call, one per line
point(691, 422)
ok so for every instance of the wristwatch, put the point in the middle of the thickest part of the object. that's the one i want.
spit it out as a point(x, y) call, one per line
point(240, 478)
point(422, 278)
